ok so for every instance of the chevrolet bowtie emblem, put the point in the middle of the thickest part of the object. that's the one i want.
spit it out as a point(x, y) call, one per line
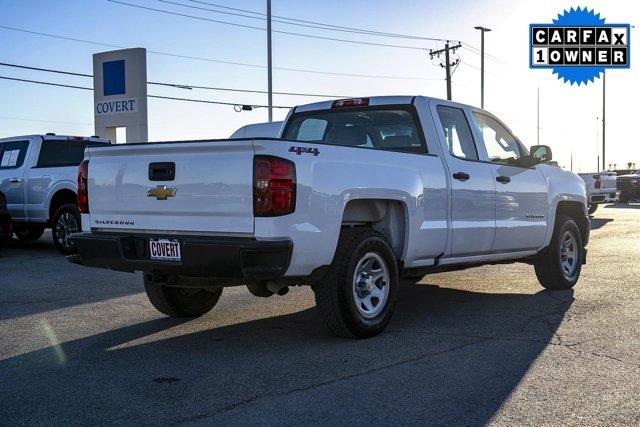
point(161, 192)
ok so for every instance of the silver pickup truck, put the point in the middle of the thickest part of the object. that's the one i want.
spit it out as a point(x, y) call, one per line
point(38, 177)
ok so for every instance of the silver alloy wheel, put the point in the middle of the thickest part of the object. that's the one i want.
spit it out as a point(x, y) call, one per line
point(569, 254)
point(371, 285)
point(65, 226)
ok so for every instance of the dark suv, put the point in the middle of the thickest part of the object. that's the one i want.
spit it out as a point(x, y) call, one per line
point(629, 186)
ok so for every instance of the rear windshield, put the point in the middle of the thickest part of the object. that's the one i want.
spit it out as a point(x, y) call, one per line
point(60, 153)
point(388, 128)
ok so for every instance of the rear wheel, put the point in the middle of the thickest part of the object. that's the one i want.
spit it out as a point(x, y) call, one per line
point(358, 295)
point(182, 302)
point(29, 233)
point(592, 208)
point(559, 268)
point(66, 221)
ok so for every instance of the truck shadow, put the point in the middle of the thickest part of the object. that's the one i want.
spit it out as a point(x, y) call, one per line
point(633, 205)
point(448, 357)
point(597, 223)
point(34, 278)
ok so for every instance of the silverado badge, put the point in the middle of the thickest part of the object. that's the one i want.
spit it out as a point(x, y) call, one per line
point(161, 192)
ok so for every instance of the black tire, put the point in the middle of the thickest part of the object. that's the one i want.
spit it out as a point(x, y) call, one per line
point(549, 268)
point(592, 208)
point(182, 302)
point(65, 222)
point(623, 198)
point(336, 293)
point(29, 233)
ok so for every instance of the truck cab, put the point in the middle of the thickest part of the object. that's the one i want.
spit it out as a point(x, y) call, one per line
point(38, 178)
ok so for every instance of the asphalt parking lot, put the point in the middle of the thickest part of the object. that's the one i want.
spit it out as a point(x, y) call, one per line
point(480, 346)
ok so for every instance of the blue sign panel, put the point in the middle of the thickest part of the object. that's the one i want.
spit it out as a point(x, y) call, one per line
point(113, 77)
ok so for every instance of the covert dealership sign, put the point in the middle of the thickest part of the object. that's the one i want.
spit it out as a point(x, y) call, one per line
point(120, 94)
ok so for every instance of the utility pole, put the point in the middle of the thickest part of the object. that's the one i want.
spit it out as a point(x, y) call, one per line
point(597, 146)
point(482, 31)
point(604, 91)
point(269, 64)
point(447, 62)
point(538, 125)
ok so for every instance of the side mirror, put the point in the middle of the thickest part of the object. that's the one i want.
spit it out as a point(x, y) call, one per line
point(540, 154)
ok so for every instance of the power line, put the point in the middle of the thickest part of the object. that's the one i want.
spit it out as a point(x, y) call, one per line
point(176, 85)
point(24, 119)
point(45, 83)
point(329, 26)
point(47, 70)
point(218, 61)
point(234, 104)
point(184, 15)
point(204, 101)
point(298, 22)
point(473, 49)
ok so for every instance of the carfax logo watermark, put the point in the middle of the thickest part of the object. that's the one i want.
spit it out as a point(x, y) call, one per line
point(578, 46)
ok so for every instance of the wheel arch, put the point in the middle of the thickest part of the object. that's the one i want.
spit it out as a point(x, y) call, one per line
point(60, 197)
point(578, 212)
point(385, 215)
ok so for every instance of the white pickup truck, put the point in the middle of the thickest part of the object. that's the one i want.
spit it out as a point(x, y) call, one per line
point(601, 188)
point(355, 195)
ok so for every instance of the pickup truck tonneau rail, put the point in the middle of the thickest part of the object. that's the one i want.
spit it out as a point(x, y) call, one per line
point(353, 195)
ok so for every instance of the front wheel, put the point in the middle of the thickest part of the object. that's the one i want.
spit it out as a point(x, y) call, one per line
point(559, 268)
point(182, 302)
point(66, 221)
point(358, 295)
point(592, 208)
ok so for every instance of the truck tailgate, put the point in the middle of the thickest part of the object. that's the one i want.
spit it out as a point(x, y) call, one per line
point(212, 183)
point(608, 181)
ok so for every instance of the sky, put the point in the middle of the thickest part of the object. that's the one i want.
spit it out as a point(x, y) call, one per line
point(569, 115)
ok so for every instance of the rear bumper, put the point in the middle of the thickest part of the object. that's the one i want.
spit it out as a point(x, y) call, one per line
point(608, 197)
point(225, 257)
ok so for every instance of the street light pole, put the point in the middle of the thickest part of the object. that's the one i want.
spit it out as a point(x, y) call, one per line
point(269, 64)
point(482, 31)
point(604, 92)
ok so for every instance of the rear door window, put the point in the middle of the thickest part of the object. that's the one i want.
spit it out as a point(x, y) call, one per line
point(12, 154)
point(457, 132)
point(392, 128)
point(58, 153)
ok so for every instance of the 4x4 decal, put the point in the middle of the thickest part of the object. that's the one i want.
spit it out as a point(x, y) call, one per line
point(305, 150)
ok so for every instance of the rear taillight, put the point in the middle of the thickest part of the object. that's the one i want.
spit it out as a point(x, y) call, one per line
point(83, 191)
point(598, 182)
point(274, 186)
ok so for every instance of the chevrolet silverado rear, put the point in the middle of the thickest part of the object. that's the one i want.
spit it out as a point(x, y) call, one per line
point(191, 216)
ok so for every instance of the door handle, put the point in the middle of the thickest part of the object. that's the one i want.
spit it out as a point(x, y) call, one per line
point(503, 179)
point(15, 180)
point(461, 176)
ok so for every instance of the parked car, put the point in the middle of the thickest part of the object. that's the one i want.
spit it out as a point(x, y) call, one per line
point(357, 194)
point(5, 222)
point(262, 130)
point(629, 186)
point(38, 176)
point(601, 188)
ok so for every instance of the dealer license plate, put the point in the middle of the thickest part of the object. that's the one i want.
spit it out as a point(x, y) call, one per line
point(164, 249)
